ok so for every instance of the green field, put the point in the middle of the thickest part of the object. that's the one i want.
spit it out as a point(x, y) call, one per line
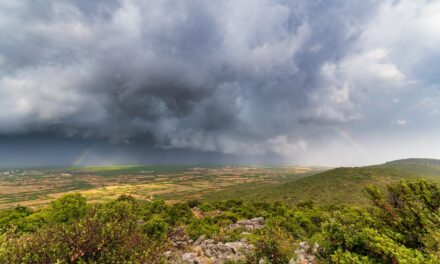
point(131, 169)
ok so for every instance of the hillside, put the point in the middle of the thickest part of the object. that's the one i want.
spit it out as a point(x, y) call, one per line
point(425, 167)
point(340, 185)
point(415, 161)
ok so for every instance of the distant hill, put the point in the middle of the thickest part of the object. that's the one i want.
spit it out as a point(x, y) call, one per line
point(341, 185)
point(415, 161)
point(425, 167)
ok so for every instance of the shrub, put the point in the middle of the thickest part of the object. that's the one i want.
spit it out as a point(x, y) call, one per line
point(274, 245)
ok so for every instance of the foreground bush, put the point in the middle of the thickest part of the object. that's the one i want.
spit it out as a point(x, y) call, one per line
point(74, 232)
point(403, 227)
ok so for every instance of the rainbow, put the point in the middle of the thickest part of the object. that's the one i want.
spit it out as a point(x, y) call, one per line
point(357, 145)
point(78, 161)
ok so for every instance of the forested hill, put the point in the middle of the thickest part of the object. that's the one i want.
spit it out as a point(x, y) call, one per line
point(344, 185)
point(423, 167)
point(415, 161)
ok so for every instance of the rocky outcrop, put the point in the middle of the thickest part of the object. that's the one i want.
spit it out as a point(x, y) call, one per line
point(305, 254)
point(203, 250)
point(210, 251)
point(254, 223)
point(190, 258)
point(179, 239)
point(223, 251)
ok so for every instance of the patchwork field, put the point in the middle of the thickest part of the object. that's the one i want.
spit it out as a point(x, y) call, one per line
point(37, 187)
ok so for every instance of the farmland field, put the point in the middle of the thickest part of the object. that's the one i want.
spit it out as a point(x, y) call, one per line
point(173, 183)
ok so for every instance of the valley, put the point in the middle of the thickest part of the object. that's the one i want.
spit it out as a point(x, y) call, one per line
point(172, 183)
point(178, 183)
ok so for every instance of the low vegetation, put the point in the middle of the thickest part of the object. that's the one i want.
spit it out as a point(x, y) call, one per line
point(386, 213)
point(336, 186)
point(402, 225)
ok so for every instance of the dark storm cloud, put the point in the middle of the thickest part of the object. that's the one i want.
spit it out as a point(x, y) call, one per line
point(247, 77)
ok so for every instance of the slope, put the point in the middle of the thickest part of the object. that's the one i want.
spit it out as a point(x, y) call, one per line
point(340, 185)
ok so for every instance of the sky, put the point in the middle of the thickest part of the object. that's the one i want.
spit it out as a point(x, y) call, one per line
point(292, 82)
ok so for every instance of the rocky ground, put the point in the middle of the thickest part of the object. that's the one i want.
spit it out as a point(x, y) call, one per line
point(252, 224)
point(210, 251)
point(207, 251)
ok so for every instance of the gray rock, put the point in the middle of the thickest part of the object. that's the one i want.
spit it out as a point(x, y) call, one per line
point(305, 254)
point(217, 252)
point(199, 240)
point(254, 223)
point(190, 258)
point(305, 246)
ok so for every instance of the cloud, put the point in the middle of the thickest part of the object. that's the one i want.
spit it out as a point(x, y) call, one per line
point(246, 77)
point(399, 122)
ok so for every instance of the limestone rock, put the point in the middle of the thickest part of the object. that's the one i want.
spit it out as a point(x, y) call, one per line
point(190, 258)
point(254, 223)
point(305, 254)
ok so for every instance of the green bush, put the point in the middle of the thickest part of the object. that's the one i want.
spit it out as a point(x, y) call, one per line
point(69, 207)
point(274, 245)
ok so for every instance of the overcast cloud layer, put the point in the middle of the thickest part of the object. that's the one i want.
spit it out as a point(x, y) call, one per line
point(314, 82)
